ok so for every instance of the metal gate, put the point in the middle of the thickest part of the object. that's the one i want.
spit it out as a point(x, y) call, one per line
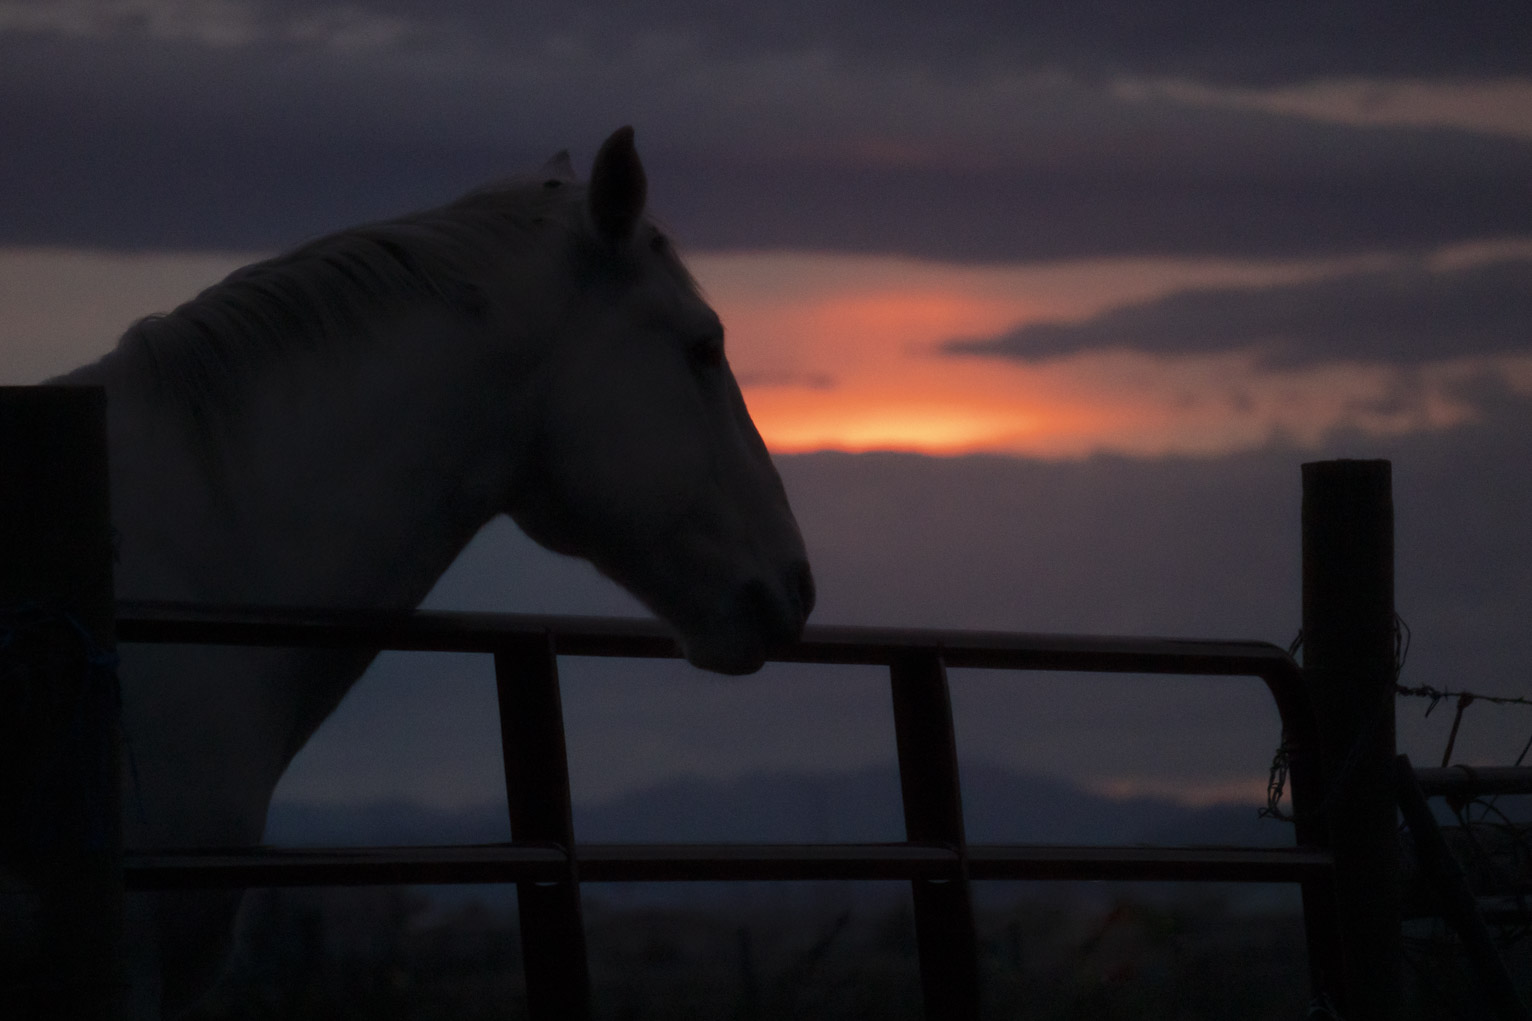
point(548, 866)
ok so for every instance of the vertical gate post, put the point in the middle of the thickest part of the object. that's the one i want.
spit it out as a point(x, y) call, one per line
point(537, 787)
point(60, 831)
point(933, 814)
point(1327, 971)
point(1349, 636)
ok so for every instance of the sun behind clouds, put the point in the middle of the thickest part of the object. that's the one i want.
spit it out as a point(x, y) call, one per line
point(847, 354)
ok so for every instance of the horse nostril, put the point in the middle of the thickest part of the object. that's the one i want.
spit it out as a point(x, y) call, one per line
point(802, 585)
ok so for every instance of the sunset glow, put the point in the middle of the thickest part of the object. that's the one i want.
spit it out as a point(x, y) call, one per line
point(846, 354)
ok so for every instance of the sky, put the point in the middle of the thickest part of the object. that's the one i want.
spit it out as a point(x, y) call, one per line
point(1039, 305)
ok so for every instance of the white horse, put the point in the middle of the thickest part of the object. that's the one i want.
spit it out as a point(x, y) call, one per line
point(331, 427)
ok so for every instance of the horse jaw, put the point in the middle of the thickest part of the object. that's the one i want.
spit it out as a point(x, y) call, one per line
point(759, 619)
point(731, 626)
point(734, 588)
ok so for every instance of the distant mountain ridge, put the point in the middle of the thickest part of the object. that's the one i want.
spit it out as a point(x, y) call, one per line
point(1000, 806)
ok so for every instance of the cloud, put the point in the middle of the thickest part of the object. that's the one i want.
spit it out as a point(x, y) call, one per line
point(1494, 106)
point(1407, 315)
point(217, 24)
point(1202, 39)
point(796, 380)
point(236, 124)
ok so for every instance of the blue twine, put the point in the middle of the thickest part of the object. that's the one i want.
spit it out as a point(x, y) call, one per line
point(100, 678)
point(1322, 1007)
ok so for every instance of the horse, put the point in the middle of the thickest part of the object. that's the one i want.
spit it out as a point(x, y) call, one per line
point(332, 426)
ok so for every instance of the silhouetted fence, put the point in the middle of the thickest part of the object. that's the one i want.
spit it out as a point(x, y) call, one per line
point(1338, 743)
point(548, 866)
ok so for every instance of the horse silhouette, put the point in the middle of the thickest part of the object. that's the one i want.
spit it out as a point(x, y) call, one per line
point(331, 427)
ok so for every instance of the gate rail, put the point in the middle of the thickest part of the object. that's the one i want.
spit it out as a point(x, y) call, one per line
point(549, 866)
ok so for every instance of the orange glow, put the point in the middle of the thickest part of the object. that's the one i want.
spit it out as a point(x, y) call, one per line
point(946, 413)
point(845, 353)
point(891, 388)
point(878, 320)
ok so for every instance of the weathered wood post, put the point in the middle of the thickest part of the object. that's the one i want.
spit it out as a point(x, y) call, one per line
point(945, 934)
point(60, 831)
point(1349, 649)
point(553, 950)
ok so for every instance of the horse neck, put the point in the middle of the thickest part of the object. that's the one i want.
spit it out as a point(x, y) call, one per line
point(345, 478)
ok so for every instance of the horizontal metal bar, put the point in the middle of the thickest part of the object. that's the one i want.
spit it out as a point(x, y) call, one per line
point(1473, 781)
point(442, 631)
point(413, 630)
point(1190, 864)
point(343, 866)
point(626, 863)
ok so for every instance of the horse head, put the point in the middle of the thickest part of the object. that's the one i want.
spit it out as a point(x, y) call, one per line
point(642, 457)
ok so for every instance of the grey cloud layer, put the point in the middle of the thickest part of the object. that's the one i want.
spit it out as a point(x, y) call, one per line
point(973, 134)
point(1406, 315)
point(1206, 39)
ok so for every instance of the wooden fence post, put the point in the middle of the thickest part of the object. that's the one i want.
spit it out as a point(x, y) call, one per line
point(1349, 650)
point(933, 814)
point(60, 829)
point(553, 948)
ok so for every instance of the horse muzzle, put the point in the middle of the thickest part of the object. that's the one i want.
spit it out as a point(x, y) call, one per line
point(759, 619)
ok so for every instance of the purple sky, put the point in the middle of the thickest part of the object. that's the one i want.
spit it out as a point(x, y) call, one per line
point(1348, 186)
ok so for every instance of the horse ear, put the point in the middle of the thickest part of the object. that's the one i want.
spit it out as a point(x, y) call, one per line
point(617, 187)
point(559, 167)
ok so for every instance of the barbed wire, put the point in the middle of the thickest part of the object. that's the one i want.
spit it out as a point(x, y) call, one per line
point(1276, 783)
point(1437, 695)
point(1281, 759)
point(1497, 846)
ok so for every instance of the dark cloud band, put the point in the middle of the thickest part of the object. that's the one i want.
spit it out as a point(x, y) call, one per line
point(925, 131)
point(1410, 316)
point(1209, 40)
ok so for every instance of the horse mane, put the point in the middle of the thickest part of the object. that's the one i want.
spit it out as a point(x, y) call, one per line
point(336, 288)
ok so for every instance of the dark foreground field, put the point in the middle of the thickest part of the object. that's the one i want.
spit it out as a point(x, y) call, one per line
point(800, 953)
point(806, 952)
